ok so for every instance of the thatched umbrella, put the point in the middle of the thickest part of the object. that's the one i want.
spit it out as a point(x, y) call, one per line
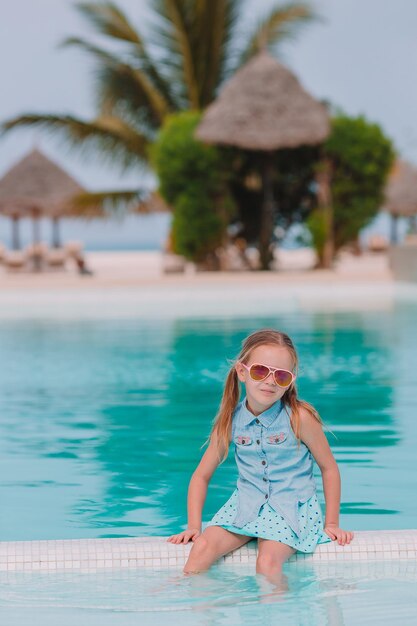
point(264, 108)
point(401, 195)
point(37, 187)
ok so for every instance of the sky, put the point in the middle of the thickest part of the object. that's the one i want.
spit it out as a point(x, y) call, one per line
point(362, 57)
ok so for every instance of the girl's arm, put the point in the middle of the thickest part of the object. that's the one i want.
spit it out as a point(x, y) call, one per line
point(314, 438)
point(197, 491)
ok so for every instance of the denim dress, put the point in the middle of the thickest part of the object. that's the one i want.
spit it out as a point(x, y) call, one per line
point(275, 497)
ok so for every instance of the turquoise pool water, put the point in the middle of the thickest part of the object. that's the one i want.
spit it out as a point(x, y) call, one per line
point(345, 594)
point(101, 422)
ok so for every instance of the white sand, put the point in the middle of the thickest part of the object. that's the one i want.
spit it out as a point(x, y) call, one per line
point(117, 269)
point(132, 284)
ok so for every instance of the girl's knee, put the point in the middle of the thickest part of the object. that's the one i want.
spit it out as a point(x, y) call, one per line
point(200, 545)
point(201, 551)
point(268, 561)
point(199, 558)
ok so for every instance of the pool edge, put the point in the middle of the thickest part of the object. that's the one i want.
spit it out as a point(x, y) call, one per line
point(157, 553)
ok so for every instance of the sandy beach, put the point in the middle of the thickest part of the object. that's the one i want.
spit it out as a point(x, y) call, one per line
point(130, 269)
point(133, 285)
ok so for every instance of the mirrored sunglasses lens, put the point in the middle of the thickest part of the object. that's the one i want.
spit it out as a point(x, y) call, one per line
point(283, 378)
point(258, 372)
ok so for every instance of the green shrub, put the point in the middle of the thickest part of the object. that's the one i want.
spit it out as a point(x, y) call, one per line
point(197, 229)
point(361, 157)
point(193, 179)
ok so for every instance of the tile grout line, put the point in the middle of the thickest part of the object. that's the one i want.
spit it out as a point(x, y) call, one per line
point(157, 553)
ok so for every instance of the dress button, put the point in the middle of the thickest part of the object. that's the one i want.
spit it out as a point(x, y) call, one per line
point(265, 479)
point(263, 462)
point(266, 496)
point(257, 421)
point(258, 441)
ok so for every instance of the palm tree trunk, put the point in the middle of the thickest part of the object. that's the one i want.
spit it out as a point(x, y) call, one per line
point(267, 212)
point(323, 179)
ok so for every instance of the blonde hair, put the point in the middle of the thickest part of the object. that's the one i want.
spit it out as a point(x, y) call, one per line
point(222, 424)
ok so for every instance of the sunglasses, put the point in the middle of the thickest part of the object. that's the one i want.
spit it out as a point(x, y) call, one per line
point(258, 372)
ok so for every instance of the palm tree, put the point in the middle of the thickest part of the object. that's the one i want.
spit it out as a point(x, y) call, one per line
point(191, 48)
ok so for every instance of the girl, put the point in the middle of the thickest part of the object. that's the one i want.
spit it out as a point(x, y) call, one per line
point(276, 436)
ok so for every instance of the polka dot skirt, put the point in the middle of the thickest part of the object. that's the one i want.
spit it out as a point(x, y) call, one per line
point(271, 525)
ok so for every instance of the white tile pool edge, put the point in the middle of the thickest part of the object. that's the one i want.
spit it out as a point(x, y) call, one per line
point(157, 553)
point(204, 300)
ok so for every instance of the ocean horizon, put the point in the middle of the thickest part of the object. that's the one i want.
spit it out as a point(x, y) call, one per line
point(147, 232)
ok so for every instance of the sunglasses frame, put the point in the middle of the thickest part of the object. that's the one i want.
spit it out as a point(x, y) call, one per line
point(273, 370)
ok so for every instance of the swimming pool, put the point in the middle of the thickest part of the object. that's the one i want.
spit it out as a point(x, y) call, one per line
point(101, 421)
point(339, 594)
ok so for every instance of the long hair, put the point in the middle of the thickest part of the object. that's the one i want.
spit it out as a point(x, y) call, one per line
point(221, 430)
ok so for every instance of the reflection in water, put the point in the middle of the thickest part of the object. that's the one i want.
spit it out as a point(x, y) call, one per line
point(334, 368)
point(102, 423)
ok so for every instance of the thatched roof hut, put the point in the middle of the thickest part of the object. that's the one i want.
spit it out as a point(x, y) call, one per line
point(264, 108)
point(401, 190)
point(36, 187)
point(37, 184)
point(401, 196)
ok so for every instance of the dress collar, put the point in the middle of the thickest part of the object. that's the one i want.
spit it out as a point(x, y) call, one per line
point(266, 417)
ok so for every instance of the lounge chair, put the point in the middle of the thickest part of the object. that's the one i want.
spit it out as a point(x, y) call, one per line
point(55, 258)
point(15, 260)
point(74, 249)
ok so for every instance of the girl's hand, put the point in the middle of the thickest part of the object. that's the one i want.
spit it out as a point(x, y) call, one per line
point(336, 533)
point(185, 536)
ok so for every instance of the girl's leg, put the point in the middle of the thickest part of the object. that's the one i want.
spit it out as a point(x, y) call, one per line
point(271, 557)
point(212, 544)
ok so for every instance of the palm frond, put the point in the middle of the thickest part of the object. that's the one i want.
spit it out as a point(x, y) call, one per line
point(109, 138)
point(280, 25)
point(108, 19)
point(120, 83)
point(213, 34)
point(91, 205)
point(99, 53)
point(175, 24)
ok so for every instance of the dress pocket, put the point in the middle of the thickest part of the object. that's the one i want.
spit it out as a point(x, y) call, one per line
point(276, 438)
point(243, 440)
